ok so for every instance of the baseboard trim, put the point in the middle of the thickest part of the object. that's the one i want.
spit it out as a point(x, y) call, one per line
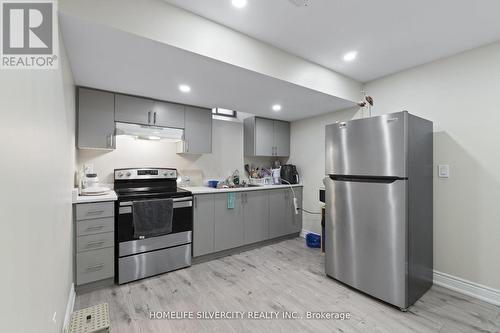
point(304, 232)
point(467, 287)
point(463, 286)
point(69, 308)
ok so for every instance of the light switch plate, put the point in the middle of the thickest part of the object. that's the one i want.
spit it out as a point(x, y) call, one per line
point(443, 171)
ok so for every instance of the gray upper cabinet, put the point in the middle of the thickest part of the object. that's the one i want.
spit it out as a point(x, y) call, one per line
point(228, 222)
point(96, 119)
point(281, 138)
point(266, 137)
point(168, 114)
point(255, 216)
point(135, 110)
point(203, 225)
point(197, 131)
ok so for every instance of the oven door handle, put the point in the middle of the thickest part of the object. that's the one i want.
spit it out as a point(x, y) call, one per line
point(129, 203)
point(126, 207)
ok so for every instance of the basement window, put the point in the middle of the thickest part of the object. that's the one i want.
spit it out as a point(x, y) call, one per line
point(220, 112)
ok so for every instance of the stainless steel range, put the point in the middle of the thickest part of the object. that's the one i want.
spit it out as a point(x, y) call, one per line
point(139, 256)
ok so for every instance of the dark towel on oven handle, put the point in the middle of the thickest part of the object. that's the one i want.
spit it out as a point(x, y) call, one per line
point(152, 217)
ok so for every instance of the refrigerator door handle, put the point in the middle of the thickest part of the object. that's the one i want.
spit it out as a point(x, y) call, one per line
point(367, 179)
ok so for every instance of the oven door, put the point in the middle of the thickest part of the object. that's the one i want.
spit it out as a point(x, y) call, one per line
point(182, 226)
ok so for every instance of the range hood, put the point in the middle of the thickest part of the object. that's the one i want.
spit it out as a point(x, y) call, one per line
point(150, 132)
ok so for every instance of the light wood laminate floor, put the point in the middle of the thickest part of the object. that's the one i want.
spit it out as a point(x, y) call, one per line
point(286, 276)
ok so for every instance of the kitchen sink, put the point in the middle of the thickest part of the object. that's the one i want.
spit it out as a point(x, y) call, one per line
point(239, 186)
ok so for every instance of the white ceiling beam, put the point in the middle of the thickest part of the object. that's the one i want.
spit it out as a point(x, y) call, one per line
point(159, 21)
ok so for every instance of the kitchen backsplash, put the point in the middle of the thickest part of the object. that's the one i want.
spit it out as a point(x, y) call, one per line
point(227, 156)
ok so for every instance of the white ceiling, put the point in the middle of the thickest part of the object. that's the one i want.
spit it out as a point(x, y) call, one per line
point(389, 35)
point(105, 58)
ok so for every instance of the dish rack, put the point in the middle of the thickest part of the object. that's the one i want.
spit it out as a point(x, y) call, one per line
point(260, 181)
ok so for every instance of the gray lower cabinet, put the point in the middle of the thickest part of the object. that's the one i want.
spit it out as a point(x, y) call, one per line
point(197, 131)
point(277, 214)
point(94, 242)
point(228, 222)
point(255, 216)
point(203, 225)
point(293, 222)
point(282, 217)
point(135, 110)
point(96, 119)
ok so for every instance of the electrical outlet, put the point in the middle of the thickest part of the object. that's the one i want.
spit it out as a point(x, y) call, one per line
point(443, 171)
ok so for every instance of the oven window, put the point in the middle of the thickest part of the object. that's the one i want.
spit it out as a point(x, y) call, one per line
point(182, 220)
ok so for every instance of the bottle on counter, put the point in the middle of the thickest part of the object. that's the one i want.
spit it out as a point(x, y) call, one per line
point(236, 177)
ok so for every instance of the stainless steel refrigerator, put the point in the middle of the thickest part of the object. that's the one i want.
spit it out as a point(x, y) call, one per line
point(378, 215)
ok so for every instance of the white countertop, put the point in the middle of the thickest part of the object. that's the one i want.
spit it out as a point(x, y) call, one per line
point(110, 196)
point(207, 190)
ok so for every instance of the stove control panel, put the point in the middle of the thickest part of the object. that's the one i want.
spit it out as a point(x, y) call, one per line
point(161, 173)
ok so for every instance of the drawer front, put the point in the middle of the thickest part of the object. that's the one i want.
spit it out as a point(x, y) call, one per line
point(94, 265)
point(95, 242)
point(95, 210)
point(96, 226)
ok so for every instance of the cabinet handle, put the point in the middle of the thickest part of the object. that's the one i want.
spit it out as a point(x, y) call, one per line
point(99, 227)
point(94, 268)
point(94, 244)
point(95, 212)
point(154, 117)
point(111, 139)
point(149, 117)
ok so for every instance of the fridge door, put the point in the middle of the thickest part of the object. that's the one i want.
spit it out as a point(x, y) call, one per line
point(365, 238)
point(368, 147)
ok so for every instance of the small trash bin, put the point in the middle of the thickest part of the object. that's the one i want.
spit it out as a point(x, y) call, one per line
point(313, 240)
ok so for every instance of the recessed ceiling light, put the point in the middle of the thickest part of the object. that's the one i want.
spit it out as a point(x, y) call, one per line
point(239, 3)
point(184, 88)
point(276, 107)
point(350, 56)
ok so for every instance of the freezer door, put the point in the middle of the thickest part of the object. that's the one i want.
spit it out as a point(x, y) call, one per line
point(368, 147)
point(365, 239)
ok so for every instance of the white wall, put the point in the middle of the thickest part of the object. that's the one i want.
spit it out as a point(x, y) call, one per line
point(460, 95)
point(226, 156)
point(37, 117)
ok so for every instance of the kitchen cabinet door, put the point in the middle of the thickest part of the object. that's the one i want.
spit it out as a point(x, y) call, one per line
point(293, 221)
point(96, 119)
point(197, 131)
point(264, 137)
point(228, 222)
point(203, 225)
point(168, 115)
point(134, 110)
point(277, 224)
point(255, 216)
point(281, 138)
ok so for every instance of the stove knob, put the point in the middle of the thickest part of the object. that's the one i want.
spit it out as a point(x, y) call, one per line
point(120, 174)
point(128, 174)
